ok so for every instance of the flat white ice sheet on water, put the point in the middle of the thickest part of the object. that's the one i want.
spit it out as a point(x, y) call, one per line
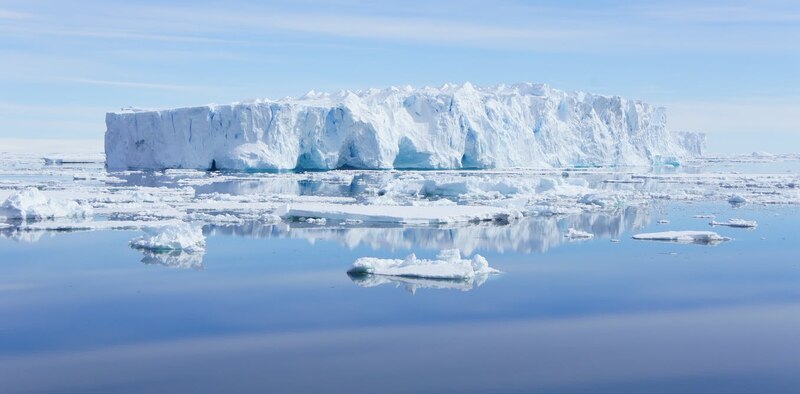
point(740, 223)
point(683, 236)
point(447, 265)
point(177, 237)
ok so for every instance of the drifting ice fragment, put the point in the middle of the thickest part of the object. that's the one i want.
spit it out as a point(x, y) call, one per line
point(177, 237)
point(737, 200)
point(736, 223)
point(448, 265)
point(702, 237)
point(32, 204)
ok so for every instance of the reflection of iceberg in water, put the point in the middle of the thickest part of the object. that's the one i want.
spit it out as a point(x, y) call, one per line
point(412, 284)
point(174, 259)
point(532, 234)
point(18, 235)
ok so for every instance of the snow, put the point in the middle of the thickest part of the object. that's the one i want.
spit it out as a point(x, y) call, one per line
point(399, 214)
point(702, 237)
point(31, 204)
point(447, 265)
point(178, 237)
point(450, 127)
point(741, 223)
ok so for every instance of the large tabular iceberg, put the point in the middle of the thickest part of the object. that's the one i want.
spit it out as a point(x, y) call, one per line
point(451, 127)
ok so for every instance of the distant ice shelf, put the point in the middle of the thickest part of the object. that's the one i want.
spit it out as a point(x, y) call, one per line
point(449, 127)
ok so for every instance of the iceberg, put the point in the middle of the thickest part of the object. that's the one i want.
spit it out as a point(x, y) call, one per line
point(177, 237)
point(700, 237)
point(455, 126)
point(448, 265)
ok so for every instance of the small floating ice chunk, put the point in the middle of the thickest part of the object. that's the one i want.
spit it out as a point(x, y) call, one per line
point(663, 221)
point(177, 237)
point(578, 234)
point(448, 265)
point(737, 199)
point(317, 221)
point(741, 223)
point(32, 204)
point(704, 216)
point(703, 237)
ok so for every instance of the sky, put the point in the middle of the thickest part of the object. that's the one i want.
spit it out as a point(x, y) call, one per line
point(728, 68)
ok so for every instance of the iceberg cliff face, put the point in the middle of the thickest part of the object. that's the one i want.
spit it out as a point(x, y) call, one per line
point(451, 127)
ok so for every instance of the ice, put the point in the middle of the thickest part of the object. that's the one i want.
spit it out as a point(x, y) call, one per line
point(451, 127)
point(178, 237)
point(737, 199)
point(736, 223)
point(701, 237)
point(578, 234)
point(31, 204)
point(448, 265)
point(399, 214)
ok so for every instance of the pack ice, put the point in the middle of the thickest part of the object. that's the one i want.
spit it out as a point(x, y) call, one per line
point(449, 127)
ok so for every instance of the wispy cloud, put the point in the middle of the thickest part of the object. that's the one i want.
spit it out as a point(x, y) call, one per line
point(10, 14)
point(739, 115)
point(130, 84)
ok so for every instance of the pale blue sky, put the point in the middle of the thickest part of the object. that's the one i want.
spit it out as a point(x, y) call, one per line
point(727, 66)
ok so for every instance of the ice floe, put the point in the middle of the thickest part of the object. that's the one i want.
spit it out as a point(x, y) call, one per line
point(741, 223)
point(701, 237)
point(448, 265)
point(32, 204)
point(177, 237)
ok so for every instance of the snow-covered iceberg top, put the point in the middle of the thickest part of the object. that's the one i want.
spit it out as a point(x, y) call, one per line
point(702, 237)
point(177, 237)
point(449, 127)
point(448, 265)
point(32, 204)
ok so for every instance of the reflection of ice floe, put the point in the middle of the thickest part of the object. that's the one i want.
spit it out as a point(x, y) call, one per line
point(412, 284)
point(740, 223)
point(447, 265)
point(18, 235)
point(575, 234)
point(400, 214)
point(530, 234)
point(700, 237)
point(177, 237)
point(175, 259)
point(32, 204)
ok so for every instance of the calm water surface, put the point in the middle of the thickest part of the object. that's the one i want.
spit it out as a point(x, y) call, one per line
point(270, 308)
